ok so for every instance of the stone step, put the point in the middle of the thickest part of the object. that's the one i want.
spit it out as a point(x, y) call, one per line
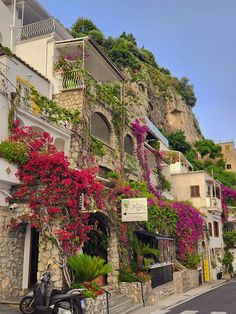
point(128, 309)
point(15, 301)
point(116, 299)
point(124, 304)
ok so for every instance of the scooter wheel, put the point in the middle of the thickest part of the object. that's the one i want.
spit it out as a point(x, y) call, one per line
point(27, 306)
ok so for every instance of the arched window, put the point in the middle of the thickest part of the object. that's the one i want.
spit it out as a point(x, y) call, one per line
point(100, 128)
point(60, 144)
point(103, 172)
point(129, 145)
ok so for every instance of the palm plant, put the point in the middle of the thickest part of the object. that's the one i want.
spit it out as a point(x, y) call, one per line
point(141, 249)
point(88, 268)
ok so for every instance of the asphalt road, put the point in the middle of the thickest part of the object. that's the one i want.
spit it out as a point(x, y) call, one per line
point(221, 300)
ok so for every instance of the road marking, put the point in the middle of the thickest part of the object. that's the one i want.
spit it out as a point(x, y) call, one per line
point(189, 312)
point(218, 313)
point(161, 312)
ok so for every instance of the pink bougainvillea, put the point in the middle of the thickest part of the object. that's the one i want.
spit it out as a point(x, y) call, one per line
point(226, 193)
point(140, 131)
point(189, 229)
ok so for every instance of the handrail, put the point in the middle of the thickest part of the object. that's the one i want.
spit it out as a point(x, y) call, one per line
point(108, 294)
point(3, 81)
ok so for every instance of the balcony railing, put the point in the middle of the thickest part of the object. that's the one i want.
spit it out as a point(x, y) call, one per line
point(3, 81)
point(41, 29)
point(72, 80)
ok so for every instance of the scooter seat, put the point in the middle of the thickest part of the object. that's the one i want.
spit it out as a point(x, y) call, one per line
point(59, 297)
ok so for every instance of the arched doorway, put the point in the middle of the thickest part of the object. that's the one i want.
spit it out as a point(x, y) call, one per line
point(99, 240)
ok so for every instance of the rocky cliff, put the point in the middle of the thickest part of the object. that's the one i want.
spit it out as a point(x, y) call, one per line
point(168, 111)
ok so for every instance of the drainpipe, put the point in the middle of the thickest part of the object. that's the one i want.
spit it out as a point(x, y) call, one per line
point(46, 56)
point(46, 67)
point(12, 27)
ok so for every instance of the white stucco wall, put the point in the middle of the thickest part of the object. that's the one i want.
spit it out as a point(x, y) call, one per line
point(38, 53)
point(5, 22)
point(3, 117)
point(13, 69)
point(18, 69)
point(181, 187)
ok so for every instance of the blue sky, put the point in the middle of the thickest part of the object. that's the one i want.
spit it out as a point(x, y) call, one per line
point(193, 38)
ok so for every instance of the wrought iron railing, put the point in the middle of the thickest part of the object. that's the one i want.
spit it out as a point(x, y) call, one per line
point(3, 80)
point(72, 80)
point(108, 295)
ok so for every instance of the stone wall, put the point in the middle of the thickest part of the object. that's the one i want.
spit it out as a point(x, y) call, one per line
point(12, 246)
point(182, 281)
point(46, 255)
point(97, 306)
point(11, 257)
point(72, 99)
point(189, 279)
point(133, 291)
point(113, 260)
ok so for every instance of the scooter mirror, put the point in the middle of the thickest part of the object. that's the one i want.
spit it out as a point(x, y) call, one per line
point(49, 266)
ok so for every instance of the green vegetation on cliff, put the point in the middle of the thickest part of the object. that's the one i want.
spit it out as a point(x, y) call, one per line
point(203, 155)
point(125, 53)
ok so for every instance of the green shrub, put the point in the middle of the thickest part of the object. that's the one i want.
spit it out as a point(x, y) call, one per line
point(92, 290)
point(14, 152)
point(227, 261)
point(192, 260)
point(88, 268)
point(133, 277)
point(97, 147)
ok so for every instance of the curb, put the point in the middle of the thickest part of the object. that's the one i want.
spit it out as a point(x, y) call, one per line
point(169, 307)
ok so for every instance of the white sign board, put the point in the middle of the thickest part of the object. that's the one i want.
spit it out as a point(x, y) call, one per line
point(134, 209)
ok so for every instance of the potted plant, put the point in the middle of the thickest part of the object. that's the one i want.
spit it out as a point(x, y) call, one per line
point(87, 269)
point(142, 249)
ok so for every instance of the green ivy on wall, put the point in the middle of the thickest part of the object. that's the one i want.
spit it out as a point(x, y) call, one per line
point(97, 147)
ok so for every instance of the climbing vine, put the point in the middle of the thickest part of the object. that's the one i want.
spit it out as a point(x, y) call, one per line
point(107, 93)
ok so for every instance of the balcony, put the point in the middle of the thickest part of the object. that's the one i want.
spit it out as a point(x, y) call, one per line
point(156, 133)
point(71, 80)
point(213, 203)
point(43, 28)
point(178, 163)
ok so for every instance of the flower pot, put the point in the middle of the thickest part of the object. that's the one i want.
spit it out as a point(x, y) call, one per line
point(100, 281)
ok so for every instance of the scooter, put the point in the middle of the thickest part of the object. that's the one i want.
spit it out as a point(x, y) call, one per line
point(60, 301)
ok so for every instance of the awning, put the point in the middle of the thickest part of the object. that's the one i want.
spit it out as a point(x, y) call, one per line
point(156, 236)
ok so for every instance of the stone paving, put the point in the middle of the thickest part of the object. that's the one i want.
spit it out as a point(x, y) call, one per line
point(9, 309)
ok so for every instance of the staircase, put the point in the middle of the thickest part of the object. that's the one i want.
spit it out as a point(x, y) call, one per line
point(118, 304)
